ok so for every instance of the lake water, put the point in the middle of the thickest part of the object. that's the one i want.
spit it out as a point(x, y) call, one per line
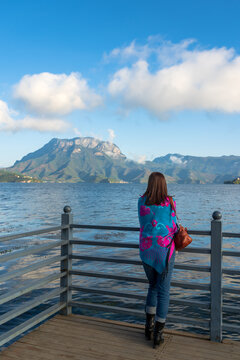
point(24, 207)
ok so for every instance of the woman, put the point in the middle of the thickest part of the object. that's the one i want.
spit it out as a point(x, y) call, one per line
point(157, 217)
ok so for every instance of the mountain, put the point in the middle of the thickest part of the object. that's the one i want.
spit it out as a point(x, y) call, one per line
point(80, 160)
point(234, 181)
point(198, 169)
point(92, 160)
point(7, 176)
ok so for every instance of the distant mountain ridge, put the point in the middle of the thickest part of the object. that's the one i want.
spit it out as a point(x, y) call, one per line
point(86, 159)
point(80, 160)
point(208, 169)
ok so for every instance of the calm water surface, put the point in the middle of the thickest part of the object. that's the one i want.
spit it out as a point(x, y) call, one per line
point(24, 207)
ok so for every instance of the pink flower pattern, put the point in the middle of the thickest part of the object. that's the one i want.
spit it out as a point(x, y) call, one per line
point(145, 243)
point(166, 203)
point(144, 210)
point(164, 241)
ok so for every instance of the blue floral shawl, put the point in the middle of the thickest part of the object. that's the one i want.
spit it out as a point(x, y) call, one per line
point(158, 224)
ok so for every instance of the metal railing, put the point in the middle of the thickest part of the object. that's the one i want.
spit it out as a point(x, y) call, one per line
point(16, 293)
point(64, 291)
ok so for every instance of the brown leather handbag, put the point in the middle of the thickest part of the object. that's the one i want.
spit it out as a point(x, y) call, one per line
point(181, 238)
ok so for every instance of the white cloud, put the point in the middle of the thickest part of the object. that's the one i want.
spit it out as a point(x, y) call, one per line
point(130, 51)
point(164, 51)
point(6, 121)
point(55, 94)
point(177, 160)
point(197, 80)
point(141, 159)
point(42, 124)
point(9, 123)
point(111, 135)
point(77, 132)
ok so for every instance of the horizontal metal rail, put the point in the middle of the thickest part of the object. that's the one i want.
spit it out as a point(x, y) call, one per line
point(230, 290)
point(30, 305)
point(231, 309)
point(184, 320)
point(138, 262)
point(138, 296)
point(199, 268)
point(140, 280)
point(140, 313)
point(191, 285)
point(105, 243)
point(111, 260)
point(231, 271)
point(107, 308)
point(231, 235)
point(13, 294)
point(18, 330)
point(32, 250)
point(108, 276)
point(190, 249)
point(130, 228)
point(105, 227)
point(196, 250)
point(107, 292)
point(31, 233)
point(132, 245)
point(232, 328)
point(27, 269)
point(231, 253)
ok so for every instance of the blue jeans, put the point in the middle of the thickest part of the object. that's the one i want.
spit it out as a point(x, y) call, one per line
point(157, 301)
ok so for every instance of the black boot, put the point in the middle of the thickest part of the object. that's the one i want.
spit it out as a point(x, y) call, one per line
point(149, 326)
point(158, 334)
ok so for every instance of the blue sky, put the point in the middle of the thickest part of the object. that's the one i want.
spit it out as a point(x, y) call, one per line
point(154, 77)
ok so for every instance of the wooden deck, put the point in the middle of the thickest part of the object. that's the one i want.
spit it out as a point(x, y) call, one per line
point(81, 337)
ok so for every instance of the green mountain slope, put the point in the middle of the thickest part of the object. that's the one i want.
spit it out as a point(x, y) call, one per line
point(80, 160)
point(196, 169)
point(91, 160)
point(7, 176)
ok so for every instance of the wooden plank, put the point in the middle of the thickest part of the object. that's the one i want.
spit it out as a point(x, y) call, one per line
point(29, 352)
point(85, 337)
point(209, 352)
point(180, 354)
point(80, 337)
point(55, 329)
point(92, 345)
point(209, 345)
point(76, 330)
point(98, 326)
point(89, 319)
point(132, 347)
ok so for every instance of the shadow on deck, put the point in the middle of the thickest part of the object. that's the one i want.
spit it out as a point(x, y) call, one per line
point(82, 337)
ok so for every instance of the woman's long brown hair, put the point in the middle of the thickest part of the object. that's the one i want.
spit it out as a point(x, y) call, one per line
point(156, 192)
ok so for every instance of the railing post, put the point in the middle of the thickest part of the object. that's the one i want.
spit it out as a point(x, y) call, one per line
point(66, 265)
point(216, 277)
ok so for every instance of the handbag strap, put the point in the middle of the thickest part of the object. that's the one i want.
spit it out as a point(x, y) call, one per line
point(173, 207)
